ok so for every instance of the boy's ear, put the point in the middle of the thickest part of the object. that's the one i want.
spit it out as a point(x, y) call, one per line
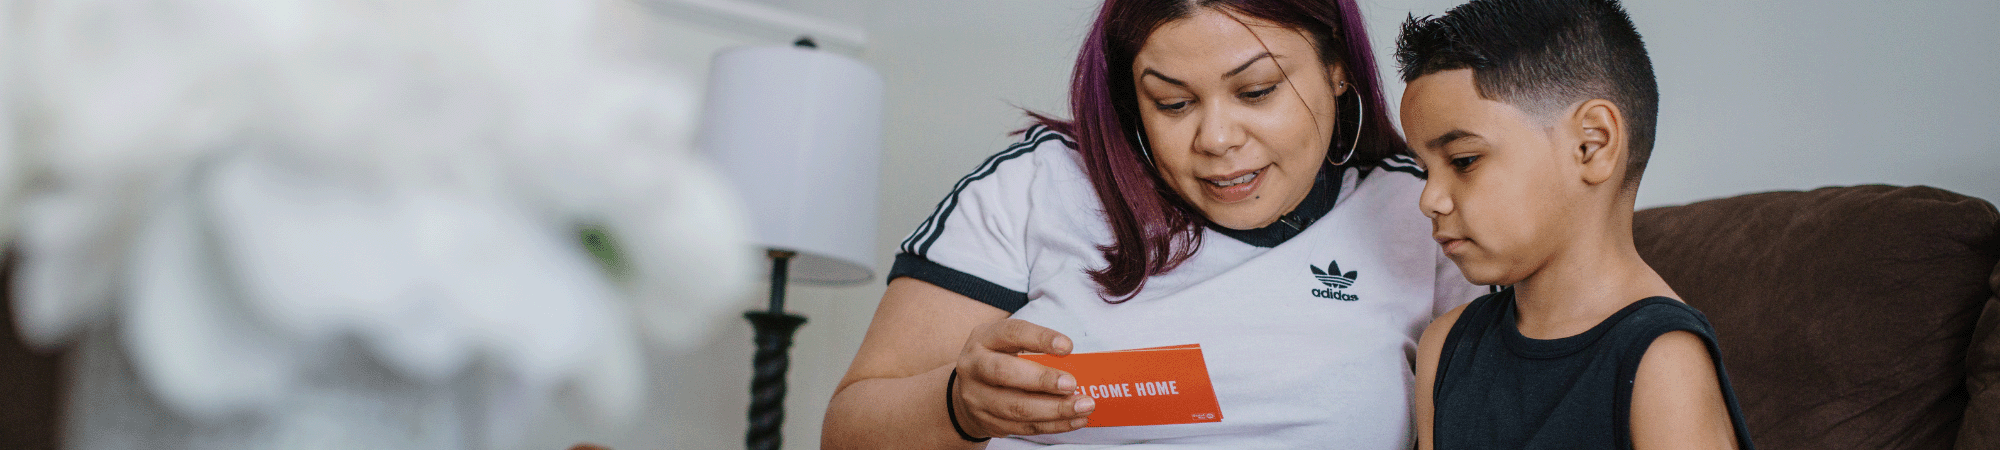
point(1600, 148)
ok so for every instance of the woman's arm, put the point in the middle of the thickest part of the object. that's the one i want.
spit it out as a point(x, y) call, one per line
point(894, 393)
point(1676, 398)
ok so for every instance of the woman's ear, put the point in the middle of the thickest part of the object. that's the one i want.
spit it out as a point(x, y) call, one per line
point(1336, 76)
point(1600, 128)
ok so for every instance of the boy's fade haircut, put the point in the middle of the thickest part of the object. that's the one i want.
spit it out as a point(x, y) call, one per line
point(1541, 56)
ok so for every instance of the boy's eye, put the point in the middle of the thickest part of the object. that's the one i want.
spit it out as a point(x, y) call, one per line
point(1463, 162)
point(1260, 93)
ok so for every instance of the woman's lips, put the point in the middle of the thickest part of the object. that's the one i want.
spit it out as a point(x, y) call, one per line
point(1234, 193)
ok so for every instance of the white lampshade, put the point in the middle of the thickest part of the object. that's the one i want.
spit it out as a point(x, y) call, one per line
point(799, 133)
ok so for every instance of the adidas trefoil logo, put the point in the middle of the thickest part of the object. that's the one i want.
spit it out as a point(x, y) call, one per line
point(1332, 276)
point(1334, 280)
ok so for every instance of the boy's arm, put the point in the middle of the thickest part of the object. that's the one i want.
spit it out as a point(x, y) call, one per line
point(1429, 347)
point(1676, 399)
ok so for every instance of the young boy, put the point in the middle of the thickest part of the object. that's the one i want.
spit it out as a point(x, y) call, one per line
point(1534, 120)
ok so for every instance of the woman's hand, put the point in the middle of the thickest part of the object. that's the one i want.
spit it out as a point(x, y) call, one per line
point(894, 394)
point(1000, 394)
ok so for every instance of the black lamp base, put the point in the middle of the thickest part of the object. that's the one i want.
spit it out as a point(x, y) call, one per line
point(767, 381)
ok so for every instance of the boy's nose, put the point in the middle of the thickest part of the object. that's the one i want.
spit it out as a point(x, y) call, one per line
point(1433, 201)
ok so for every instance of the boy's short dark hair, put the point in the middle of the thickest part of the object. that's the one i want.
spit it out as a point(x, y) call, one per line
point(1541, 55)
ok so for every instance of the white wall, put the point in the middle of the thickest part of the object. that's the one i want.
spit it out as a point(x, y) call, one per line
point(1756, 96)
point(1797, 94)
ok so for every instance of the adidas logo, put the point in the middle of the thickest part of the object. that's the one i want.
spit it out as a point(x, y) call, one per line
point(1334, 279)
point(1332, 276)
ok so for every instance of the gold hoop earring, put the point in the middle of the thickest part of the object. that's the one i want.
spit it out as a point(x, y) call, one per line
point(1360, 119)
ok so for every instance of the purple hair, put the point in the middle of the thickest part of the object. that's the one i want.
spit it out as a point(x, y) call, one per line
point(1154, 229)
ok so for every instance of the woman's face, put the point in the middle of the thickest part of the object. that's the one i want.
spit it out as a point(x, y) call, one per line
point(1238, 113)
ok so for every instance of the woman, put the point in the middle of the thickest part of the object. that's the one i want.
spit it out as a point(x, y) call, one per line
point(1222, 154)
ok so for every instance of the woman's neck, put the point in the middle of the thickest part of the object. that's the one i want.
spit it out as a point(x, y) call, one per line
point(1316, 204)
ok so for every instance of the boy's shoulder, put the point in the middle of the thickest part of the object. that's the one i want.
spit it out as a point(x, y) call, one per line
point(1431, 344)
point(1479, 307)
point(1627, 333)
point(1649, 318)
point(1660, 328)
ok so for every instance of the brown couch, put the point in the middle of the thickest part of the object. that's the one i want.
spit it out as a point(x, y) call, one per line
point(1849, 318)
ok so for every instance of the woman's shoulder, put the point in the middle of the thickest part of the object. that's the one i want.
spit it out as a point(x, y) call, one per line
point(1399, 173)
point(974, 242)
point(1401, 164)
point(1003, 189)
point(1052, 148)
point(1391, 185)
point(1039, 151)
point(1038, 132)
point(1041, 137)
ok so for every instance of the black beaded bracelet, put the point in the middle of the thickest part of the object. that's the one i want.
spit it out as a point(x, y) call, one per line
point(952, 412)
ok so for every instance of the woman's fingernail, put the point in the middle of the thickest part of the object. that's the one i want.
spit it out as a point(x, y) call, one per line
point(1085, 405)
point(1079, 423)
point(1066, 384)
point(1061, 344)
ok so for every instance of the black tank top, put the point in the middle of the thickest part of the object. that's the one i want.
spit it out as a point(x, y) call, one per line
point(1498, 389)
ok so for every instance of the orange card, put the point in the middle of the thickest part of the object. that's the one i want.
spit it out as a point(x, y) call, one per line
point(1147, 386)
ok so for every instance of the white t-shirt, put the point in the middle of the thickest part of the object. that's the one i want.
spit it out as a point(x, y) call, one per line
point(1297, 360)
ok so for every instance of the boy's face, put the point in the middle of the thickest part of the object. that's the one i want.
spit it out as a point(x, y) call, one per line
point(1501, 188)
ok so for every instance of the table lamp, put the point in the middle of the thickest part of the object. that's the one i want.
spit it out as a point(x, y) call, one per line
point(799, 133)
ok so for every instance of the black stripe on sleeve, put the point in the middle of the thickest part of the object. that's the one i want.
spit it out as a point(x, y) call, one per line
point(1409, 170)
point(1404, 164)
point(928, 232)
point(918, 267)
point(985, 167)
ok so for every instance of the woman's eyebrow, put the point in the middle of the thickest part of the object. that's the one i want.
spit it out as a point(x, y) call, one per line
point(1246, 64)
point(1169, 80)
point(1232, 72)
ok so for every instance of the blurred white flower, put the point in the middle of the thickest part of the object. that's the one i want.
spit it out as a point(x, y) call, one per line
point(352, 221)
